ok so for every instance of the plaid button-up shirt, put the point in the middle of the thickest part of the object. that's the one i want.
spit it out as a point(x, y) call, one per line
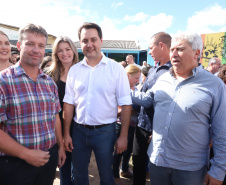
point(28, 108)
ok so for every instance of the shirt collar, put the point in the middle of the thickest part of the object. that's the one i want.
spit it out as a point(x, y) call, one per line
point(195, 71)
point(18, 71)
point(103, 60)
point(168, 64)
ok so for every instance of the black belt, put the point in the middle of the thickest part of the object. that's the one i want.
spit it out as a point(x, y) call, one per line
point(92, 126)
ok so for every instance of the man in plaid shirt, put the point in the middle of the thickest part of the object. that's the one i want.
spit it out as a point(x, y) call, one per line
point(29, 120)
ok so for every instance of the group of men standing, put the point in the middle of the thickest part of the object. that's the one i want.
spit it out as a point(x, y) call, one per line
point(182, 107)
point(189, 107)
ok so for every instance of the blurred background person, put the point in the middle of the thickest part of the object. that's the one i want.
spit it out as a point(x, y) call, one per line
point(14, 56)
point(144, 64)
point(130, 60)
point(64, 55)
point(18, 58)
point(144, 74)
point(123, 63)
point(5, 51)
point(46, 62)
point(133, 73)
point(222, 73)
point(214, 65)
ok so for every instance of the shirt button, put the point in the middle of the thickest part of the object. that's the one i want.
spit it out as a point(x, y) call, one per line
point(170, 114)
point(163, 141)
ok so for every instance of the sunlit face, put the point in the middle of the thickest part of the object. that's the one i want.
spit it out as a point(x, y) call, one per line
point(155, 50)
point(5, 48)
point(91, 44)
point(129, 60)
point(134, 79)
point(216, 66)
point(183, 57)
point(65, 53)
point(32, 49)
point(123, 63)
point(14, 56)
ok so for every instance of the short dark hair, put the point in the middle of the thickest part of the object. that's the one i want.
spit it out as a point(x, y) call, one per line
point(45, 60)
point(130, 56)
point(14, 52)
point(90, 25)
point(32, 28)
point(162, 37)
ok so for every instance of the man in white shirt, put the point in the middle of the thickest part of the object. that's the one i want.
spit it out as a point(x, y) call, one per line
point(94, 88)
point(130, 60)
point(144, 64)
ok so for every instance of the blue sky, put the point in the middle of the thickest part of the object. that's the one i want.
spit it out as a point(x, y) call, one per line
point(120, 19)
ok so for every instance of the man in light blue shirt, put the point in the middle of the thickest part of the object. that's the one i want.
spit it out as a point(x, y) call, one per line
point(189, 105)
point(159, 49)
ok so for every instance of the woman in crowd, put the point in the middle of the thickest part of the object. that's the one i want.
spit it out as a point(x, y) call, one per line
point(222, 73)
point(133, 73)
point(144, 74)
point(46, 62)
point(222, 76)
point(5, 51)
point(64, 55)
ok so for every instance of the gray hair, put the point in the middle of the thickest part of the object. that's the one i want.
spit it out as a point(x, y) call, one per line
point(194, 40)
point(212, 61)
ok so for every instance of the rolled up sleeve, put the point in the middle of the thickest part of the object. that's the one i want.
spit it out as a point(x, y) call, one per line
point(69, 92)
point(123, 88)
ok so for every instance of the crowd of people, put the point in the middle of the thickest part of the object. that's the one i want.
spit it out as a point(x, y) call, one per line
point(56, 111)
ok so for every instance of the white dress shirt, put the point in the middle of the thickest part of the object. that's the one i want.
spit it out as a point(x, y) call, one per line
point(97, 91)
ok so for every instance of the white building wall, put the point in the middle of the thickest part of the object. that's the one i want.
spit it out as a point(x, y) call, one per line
point(12, 34)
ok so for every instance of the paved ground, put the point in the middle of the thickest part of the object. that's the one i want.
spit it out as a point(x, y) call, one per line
point(93, 175)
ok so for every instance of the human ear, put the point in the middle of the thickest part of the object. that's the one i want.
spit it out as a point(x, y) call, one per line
point(197, 53)
point(18, 46)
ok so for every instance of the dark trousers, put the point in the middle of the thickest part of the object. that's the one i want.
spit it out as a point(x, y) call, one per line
point(126, 154)
point(14, 171)
point(99, 140)
point(66, 177)
point(140, 157)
